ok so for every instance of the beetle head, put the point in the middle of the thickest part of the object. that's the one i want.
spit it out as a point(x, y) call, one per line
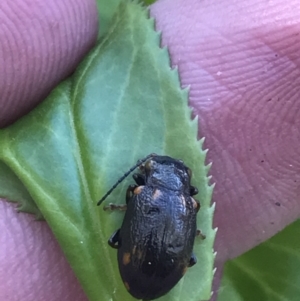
point(126, 174)
point(168, 172)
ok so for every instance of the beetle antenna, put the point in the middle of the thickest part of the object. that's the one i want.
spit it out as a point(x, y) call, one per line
point(126, 174)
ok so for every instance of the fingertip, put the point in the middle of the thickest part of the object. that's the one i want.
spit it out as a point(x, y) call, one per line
point(42, 43)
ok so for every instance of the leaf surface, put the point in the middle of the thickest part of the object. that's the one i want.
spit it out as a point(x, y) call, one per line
point(269, 272)
point(12, 189)
point(106, 11)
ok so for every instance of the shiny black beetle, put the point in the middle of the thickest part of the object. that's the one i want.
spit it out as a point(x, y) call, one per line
point(155, 241)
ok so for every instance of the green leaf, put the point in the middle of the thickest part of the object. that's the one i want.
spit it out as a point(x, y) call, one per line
point(268, 272)
point(106, 12)
point(148, 2)
point(122, 103)
point(12, 189)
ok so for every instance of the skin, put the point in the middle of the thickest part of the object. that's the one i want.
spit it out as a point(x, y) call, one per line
point(241, 60)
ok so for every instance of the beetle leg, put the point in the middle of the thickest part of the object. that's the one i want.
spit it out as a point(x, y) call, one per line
point(129, 192)
point(193, 260)
point(139, 179)
point(196, 204)
point(200, 234)
point(113, 207)
point(114, 240)
point(193, 190)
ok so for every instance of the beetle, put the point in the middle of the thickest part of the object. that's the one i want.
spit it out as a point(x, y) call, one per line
point(156, 239)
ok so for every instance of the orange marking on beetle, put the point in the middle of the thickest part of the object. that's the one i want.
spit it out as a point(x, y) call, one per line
point(148, 165)
point(138, 190)
point(127, 285)
point(126, 258)
point(156, 194)
point(196, 204)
